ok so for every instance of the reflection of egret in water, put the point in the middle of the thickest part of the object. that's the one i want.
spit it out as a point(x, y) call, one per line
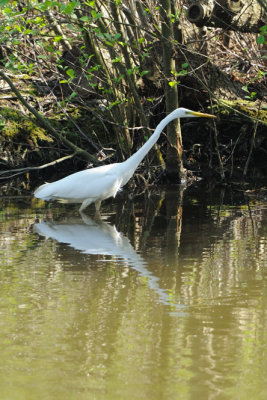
point(98, 237)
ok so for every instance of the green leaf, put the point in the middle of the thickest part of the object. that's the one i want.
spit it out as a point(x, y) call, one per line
point(117, 59)
point(27, 31)
point(96, 15)
point(260, 39)
point(117, 36)
point(43, 56)
point(85, 18)
point(73, 94)
point(71, 73)
point(45, 5)
point(90, 3)
point(113, 104)
point(57, 38)
point(50, 48)
point(144, 73)
point(69, 7)
point(4, 2)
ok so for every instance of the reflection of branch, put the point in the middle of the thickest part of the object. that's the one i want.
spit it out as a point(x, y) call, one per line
point(44, 122)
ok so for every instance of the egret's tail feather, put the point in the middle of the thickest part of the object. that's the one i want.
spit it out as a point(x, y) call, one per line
point(43, 192)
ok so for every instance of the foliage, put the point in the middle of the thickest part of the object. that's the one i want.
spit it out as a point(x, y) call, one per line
point(262, 36)
point(78, 44)
point(107, 58)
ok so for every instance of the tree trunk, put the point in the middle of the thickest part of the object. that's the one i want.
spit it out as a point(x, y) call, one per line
point(174, 164)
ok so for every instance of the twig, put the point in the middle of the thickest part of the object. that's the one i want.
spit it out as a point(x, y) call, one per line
point(19, 171)
point(218, 152)
point(242, 131)
point(252, 144)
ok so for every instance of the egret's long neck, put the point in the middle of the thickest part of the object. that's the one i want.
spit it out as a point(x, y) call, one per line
point(136, 158)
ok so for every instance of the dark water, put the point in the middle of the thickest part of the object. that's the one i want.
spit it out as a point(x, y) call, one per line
point(165, 297)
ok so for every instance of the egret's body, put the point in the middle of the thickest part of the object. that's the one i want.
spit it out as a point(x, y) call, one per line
point(86, 187)
point(97, 184)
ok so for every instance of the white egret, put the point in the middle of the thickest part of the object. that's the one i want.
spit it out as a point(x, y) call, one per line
point(96, 184)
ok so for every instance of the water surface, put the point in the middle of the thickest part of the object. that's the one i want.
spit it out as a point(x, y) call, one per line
point(163, 298)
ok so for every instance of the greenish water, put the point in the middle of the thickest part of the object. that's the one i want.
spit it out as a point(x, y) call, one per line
point(164, 298)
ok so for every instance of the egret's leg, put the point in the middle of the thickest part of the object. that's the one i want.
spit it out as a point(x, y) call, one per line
point(85, 203)
point(97, 205)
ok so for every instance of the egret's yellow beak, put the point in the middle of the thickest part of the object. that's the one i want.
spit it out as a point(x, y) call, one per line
point(199, 114)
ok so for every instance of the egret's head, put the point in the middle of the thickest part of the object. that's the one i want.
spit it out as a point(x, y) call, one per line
point(186, 113)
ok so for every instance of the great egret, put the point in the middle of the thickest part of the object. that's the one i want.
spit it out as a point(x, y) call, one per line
point(96, 184)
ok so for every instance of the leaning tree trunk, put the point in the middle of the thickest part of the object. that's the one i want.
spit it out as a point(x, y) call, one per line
point(174, 164)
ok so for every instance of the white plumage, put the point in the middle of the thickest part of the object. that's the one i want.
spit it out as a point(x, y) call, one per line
point(86, 187)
